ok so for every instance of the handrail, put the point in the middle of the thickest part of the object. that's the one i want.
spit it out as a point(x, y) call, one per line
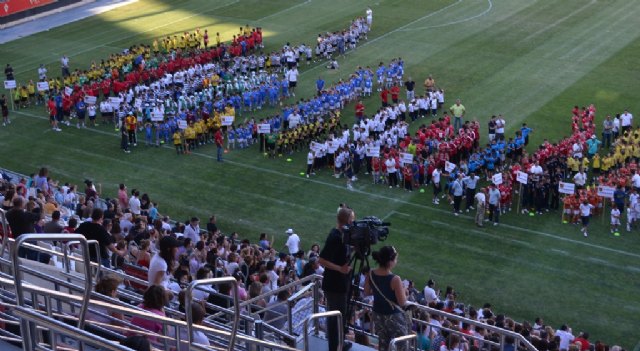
point(488, 327)
point(18, 274)
point(28, 315)
point(5, 232)
point(65, 250)
point(236, 307)
point(394, 341)
point(314, 316)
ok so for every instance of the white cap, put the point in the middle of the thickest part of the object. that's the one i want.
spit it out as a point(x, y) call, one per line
point(289, 231)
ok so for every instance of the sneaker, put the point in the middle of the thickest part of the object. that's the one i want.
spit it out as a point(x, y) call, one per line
point(451, 203)
point(135, 144)
point(4, 124)
point(585, 234)
point(486, 220)
point(467, 210)
point(307, 176)
point(455, 214)
point(471, 207)
point(57, 129)
point(78, 125)
point(495, 223)
point(390, 187)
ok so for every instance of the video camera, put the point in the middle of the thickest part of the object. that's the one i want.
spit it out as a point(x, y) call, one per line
point(363, 233)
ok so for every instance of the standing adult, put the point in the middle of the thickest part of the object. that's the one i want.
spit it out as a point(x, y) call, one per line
point(389, 298)
point(607, 131)
point(22, 222)
point(626, 121)
point(435, 178)
point(8, 72)
point(134, 203)
point(392, 172)
point(593, 144)
point(219, 140)
point(334, 257)
point(64, 63)
point(429, 84)
point(494, 204)
point(410, 85)
point(95, 231)
point(369, 14)
point(457, 191)
point(293, 242)
point(470, 183)
point(162, 263)
point(458, 111)
point(292, 75)
point(192, 231)
point(4, 107)
point(481, 200)
point(500, 124)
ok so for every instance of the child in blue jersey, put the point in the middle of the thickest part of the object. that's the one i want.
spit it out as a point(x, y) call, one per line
point(284, 85)
point(368, 85)
point(231, 138)
point(246, 100)
point(148, 133)
point(525, 133)
point(380, 75)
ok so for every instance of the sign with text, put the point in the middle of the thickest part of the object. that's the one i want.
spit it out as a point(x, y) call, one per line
point(264, 128)
point(10, 7)
point(226, 120)
point(497, 179)
point(9, 84)
point(43, 86)
point(182, 124)
point(449, 167)
point(68, 91)
point(522, 177)
point(373, 151)
point(606, 191)
point(566, 188)
point(90, 99)
point(406, 158)
point(157, 116)
point(115, 101)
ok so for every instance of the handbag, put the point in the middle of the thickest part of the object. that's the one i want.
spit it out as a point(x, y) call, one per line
point(406, 312)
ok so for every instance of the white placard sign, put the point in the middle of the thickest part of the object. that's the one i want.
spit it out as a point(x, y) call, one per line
point(373, 151)
point(157, 116)
point(406, 158)
point(497, 179)
point(43, 86)
point(68, 91)
point(226, 120)
point(606, 191)
point(115, 101)
point(264, 128)
point(449, 167)
point(91, 100)
point(522, 177)
point(9, 84)
point(182, 124)
point(566, 188)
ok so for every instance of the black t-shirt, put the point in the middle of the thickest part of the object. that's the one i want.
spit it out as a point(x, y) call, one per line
point(94, 231)
point(212, 227)
point(410, 85)
point(21, 222)
point(335, 251)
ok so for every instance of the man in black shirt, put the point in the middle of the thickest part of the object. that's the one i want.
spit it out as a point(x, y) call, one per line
point(334, 257)
point(22, 222)
point(95, 231)
point(8, 72)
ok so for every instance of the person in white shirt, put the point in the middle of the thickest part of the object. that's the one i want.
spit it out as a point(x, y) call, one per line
point(192, 230)
point(42, 72)
point(626, 121)
point(292, 75)
point(580, 179)
point(159, 272)
point(430, 294)
point(435, 178)
point(585, 213)
point(615, 219)
point(198, 337)
point(481, 200)
point(369, 14)
point(500, 123)
point(293, 242)
point(566, 337)
point(134, 203)
point(391, 172)
point(310, 158)
point(635, 180)
point(577, 150)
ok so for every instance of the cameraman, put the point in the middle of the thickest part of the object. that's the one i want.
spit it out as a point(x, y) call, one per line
point(334, 257)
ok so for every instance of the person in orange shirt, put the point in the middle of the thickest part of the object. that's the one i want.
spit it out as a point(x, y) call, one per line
point(131, 123)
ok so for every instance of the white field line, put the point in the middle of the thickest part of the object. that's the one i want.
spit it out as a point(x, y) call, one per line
point(360, 190)
point(466, 19)
point(556, 23)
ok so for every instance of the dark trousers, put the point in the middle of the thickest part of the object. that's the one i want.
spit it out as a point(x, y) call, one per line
point(456, 203)
point(471, 193)
point(494, 213)
point(335, 302)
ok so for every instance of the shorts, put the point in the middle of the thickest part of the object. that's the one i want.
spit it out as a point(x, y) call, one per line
point(585, 220)
point(293, 84)
point(615, 221)
point(52, 118)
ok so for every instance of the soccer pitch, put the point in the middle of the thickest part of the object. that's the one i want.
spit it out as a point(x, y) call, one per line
point(531, 61)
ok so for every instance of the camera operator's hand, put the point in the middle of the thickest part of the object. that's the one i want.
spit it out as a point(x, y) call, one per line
point(345, 269)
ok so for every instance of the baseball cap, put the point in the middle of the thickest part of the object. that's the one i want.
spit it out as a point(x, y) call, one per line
point(289, 231)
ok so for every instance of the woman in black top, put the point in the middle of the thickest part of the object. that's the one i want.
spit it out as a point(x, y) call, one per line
point(389, 298)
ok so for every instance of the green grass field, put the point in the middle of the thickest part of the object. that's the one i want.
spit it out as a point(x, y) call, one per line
point(529, 60)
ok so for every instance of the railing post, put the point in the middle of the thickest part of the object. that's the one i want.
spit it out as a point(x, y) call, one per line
point(236, 306)
point(259, 333)
point(329, 314)
point(316, 305)
point(5, 232)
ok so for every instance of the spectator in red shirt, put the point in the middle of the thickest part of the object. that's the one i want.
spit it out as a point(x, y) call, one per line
point(583, 339)
point(219, 144)
point(384, 96)
point(359, 111)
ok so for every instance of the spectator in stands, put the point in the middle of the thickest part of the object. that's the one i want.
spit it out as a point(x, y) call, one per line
point(276, 314)
point(23, 222)
point(107, 286)
point(566, 337)
point(134, 203)
point(455, 343)
point(154, 300)
point(583, 339)
point(293, 242)
point(335, 259)
point(123, 197)
point(212, 227)
point(389, 297)
point(192, 231)
point(430, 295)
point(95, 231)
point(143, 258)
point(198, 337)
point(53, 226)
point(162, 263)
point(310, 267)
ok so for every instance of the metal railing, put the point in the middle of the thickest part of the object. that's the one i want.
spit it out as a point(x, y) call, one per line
point(18, 276)
point(5, 232)
point(315, 316)
point(503, 333)
point(393, 344)
point(236, 307)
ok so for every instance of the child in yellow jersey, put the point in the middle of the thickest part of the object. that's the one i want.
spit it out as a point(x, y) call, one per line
point(596, 164)
point(24, 96)
point(177, 142)
point(190, 135)
point(199, 128)
point(584, 163)
point(573, 165)
point(31, 89)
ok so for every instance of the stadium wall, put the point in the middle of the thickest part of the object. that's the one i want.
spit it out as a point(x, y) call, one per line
point(16, 10)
